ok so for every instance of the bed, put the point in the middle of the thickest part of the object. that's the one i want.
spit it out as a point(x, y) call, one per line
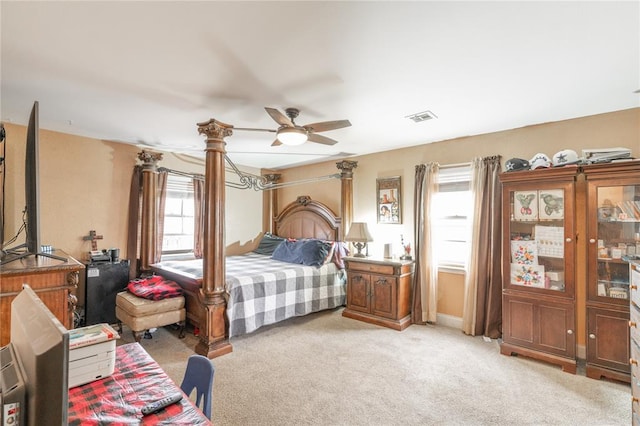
point(206, 294)
point(260, 290)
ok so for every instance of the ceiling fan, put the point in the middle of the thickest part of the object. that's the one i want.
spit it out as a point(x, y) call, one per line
point(290, 133)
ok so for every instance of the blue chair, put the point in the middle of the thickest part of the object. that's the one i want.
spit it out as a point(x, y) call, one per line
point(199, 376)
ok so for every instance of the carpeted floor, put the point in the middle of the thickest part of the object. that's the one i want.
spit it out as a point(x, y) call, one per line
point(328, 370)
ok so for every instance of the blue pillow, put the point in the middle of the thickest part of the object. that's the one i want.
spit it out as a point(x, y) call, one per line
point(303, 252)
point(268, 244)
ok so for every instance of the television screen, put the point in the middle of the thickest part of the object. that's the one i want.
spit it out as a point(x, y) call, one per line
point(32, 182)
point(32, 245)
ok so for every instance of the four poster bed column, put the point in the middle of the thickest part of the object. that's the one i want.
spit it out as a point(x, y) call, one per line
point(346, 194)
point(149, 216)
point(271, 207)
point(214, 339)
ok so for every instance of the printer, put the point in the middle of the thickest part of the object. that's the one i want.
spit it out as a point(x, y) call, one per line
point(92, 353)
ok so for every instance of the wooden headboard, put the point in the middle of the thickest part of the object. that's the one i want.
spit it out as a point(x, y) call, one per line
point(306, 218)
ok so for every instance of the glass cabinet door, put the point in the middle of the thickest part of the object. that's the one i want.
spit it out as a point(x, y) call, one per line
point(616, 240)
point(537, 245)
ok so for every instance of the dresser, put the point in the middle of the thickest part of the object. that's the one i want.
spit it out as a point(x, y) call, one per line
point(379, 291)
point(53, 280)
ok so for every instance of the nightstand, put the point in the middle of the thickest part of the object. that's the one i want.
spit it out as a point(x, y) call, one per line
point(379, 291)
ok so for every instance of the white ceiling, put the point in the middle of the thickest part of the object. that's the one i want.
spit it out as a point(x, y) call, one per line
point(146, 72)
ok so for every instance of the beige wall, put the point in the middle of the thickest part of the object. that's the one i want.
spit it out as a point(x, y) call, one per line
point(84, 185)
point(615, 129)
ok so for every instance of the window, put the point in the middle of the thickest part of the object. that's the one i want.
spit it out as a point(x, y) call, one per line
point(452, 216)
point(178, 216)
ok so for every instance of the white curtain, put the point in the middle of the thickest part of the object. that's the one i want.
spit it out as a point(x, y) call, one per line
point(425, 281)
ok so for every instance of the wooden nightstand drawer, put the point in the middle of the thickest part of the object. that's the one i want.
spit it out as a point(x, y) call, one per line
point(370, 267)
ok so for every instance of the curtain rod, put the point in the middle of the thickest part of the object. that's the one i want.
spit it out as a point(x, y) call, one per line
point(447, 166)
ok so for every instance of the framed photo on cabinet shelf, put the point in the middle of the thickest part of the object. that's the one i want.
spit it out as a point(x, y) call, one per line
point(551, 204)
point(527, 275)
point(389, 200)
point(525, 205)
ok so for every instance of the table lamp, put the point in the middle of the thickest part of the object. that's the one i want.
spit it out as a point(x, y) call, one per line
point(359, 235)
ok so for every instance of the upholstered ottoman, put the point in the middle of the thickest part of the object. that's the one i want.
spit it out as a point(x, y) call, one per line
point(141, 314)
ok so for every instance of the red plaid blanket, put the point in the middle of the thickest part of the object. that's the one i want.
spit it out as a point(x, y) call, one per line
point(155, 287)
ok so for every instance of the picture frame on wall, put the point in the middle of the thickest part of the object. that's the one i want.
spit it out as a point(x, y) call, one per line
point(389, 205)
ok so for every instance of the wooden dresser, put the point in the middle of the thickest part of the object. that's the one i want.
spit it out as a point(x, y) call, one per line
point(54, 281)
point(379, 291)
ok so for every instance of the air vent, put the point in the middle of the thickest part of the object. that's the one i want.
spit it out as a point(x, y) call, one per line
point(422, 116)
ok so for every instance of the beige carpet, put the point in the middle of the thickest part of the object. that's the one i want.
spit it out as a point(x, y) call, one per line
point(328, 370)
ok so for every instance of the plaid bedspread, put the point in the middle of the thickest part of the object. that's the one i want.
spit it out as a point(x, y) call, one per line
point(263, 291)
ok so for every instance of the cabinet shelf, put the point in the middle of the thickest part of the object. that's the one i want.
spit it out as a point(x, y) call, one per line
point(619, 221)
point(611, 260)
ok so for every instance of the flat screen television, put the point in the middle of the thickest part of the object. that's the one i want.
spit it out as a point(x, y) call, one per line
point(32, 245)
point(41, 344)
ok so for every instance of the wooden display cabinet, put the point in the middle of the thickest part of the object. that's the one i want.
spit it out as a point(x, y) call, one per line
point(613, 240)
point(634, 337)
point(538, 307)
point(379, 291)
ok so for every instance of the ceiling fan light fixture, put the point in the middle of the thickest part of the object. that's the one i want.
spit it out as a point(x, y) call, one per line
point(292, 136)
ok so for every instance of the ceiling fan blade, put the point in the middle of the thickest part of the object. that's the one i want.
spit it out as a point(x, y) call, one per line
point(276, 143)
point(328, 125)
point(279, 117)
point(321, 139)
point(249, 129)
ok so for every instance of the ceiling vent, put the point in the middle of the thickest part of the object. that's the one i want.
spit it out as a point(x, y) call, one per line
point(422, 116)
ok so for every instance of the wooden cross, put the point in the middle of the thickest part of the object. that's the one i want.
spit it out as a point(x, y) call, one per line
point(93, 237)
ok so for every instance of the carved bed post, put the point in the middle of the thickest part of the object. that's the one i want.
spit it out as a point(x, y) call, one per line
point(346, 194)
point(271, 207)
point(214, 339)
point(149, 216)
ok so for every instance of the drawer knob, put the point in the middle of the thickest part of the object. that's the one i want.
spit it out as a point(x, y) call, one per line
point(632, 324)
point(633, 361)
point(592, 241)
point(568, 240)
point(569, 331)
point(592, 336)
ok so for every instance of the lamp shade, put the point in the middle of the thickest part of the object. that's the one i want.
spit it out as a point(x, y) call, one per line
point(292, 135)
point(358, 233)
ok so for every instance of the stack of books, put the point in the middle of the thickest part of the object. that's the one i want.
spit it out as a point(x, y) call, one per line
point(90, 335)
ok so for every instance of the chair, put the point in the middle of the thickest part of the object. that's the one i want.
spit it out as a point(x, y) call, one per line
point(199, 376)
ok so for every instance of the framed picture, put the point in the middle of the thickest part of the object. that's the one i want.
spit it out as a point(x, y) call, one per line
point(527, 275)
point(551, 204)
point(525, 205)
point(389, 200)
point(524, 252)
